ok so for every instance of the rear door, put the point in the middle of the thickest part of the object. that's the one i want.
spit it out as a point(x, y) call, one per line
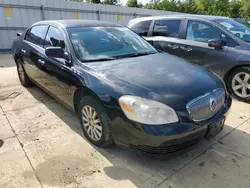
point(162, 34)
point(32, 50)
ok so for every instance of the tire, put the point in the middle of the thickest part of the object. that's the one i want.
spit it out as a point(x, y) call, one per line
point(238, 82)
point(105, 139)
point(23, 77)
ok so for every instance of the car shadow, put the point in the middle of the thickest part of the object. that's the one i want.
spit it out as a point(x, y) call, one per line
point(127, 164)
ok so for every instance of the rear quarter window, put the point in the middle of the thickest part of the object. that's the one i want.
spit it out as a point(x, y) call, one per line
point(36, 35)
point(167, 28)
point(141, 28)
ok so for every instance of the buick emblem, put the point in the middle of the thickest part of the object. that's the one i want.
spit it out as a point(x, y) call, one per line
point(213, 105)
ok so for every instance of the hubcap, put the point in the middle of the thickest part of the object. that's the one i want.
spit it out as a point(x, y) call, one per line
point(21, 73)
point(241, 84)
point(91, 123)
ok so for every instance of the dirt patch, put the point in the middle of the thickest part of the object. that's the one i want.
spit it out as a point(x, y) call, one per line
point(64, 170)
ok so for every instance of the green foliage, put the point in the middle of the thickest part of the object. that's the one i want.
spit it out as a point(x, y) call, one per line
point(245, 9)
point(230, 8)
point(93, 1)
point(110, 2)
point(134, 3)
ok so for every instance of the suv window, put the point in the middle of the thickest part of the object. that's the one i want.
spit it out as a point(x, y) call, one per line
point(168, 28)
point(36, 35)
point(142, 28)
point(202, 32)
point(54, 38)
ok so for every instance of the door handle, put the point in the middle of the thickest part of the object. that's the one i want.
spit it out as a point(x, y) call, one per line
point(173, 46)
point(186, 48)
point(23, 51)
point(41, 61)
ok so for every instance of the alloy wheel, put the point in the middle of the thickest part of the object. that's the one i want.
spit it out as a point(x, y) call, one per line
point(91, 123)
point(241, 84)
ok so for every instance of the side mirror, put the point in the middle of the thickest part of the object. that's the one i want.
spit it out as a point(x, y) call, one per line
point(18, 34)
point(57, 52)
point(216, 43)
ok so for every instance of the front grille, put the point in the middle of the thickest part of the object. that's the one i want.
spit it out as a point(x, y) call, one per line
point(165, 149)
point(204, 107)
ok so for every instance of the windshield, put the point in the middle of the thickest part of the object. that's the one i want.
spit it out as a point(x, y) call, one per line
point(107, 43)
point(236, 28)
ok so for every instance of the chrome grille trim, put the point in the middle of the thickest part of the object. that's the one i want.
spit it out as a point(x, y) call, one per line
point(200, 108)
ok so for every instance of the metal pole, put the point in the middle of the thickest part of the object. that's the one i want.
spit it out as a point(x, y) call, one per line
point(42, 12)
point(98, 15)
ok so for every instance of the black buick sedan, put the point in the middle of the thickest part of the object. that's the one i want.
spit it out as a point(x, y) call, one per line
point(123, 90)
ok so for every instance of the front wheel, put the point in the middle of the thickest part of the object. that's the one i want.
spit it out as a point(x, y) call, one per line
point(95, 122)
point(239, 83)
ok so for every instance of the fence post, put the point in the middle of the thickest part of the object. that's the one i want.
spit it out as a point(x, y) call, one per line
point(98, 15)
point(42, 12)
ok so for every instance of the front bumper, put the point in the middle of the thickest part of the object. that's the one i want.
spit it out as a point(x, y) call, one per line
point(164, 139)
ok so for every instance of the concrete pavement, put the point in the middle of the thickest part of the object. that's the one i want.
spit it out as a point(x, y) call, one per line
point(44, 147)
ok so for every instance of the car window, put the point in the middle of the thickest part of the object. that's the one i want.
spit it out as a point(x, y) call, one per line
point(36, 35)
point(202, 32)
point(92, 43)
point(27, 35)
point(236, 28)
point(168, 28)
point(54, 38)
point(142, 28)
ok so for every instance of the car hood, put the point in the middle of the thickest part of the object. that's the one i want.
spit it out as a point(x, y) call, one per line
point(162, 77)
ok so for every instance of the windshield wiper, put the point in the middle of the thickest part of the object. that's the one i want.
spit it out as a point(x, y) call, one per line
point(138, 54)
point(99, 59)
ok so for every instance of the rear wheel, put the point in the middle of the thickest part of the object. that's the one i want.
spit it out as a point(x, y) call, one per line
point(95, 122)
point(239, 83)
point(23, 77)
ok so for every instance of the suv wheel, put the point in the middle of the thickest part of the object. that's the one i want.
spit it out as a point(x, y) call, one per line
point(239, 83)
point(23, 77)
point(95, 122)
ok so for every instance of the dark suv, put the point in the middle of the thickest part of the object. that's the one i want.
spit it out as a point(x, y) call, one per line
point(219, 44)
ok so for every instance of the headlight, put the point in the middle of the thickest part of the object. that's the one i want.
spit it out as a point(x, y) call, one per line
point(147, 111)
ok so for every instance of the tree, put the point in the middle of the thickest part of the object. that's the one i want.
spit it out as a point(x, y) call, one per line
point(132, 3)
point(190, 6)
point(234, 10)
point(94, 1)
point(110, 2)
point(230, 8)
point(245, 9)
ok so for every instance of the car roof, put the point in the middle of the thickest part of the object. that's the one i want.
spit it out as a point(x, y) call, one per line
point(79, 23)
point(176, 16)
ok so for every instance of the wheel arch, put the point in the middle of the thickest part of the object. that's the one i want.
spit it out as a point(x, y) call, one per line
point(226, 76)
point(81, 92)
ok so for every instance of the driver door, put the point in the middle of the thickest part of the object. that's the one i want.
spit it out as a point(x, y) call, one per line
point(194, 47)
point(59, 78)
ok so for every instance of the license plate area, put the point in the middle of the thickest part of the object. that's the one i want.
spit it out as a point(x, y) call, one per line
point(215, 128)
